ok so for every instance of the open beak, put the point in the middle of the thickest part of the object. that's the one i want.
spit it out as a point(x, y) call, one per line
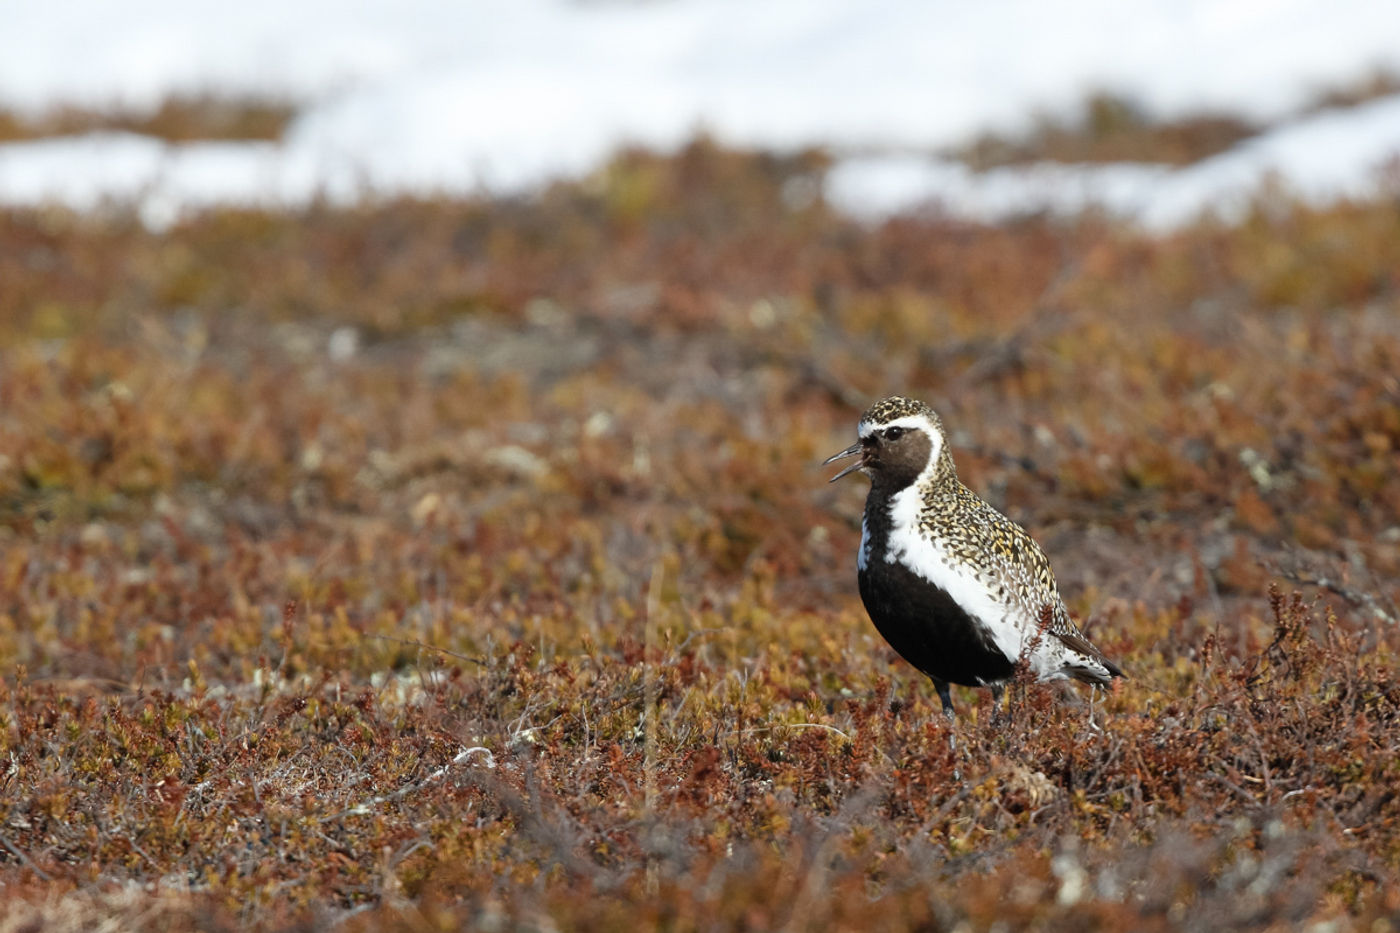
point(853, 451)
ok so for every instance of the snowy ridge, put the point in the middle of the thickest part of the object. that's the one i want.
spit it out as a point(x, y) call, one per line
point(1322, 158)
point(423, 97)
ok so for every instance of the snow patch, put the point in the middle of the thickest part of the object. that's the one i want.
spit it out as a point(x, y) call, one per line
point(420, 97)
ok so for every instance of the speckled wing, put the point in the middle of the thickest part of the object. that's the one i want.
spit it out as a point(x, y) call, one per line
point(1020, 572)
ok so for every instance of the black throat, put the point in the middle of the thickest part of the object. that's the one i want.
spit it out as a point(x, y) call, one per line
point(877, 524)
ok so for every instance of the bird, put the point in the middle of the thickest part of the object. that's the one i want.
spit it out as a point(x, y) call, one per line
point(959, 590)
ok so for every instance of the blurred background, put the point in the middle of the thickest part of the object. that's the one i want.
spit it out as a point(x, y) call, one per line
point(1156, 111)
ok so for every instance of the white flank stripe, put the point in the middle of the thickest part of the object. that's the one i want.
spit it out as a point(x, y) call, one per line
point(1001, 620)
point(863, 555)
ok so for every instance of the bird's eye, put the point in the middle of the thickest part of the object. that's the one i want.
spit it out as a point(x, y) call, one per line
point(893, 434)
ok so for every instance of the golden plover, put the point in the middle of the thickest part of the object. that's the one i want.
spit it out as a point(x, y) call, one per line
point(959, 590)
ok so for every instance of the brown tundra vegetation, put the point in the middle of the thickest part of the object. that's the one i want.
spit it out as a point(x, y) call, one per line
point(468, 564)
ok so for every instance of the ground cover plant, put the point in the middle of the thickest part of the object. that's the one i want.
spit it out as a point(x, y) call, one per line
point(1110, 127)
point(429, 565)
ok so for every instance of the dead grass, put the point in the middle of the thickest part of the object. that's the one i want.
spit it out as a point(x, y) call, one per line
point(1110, 128)
point(1374, 84)
point(178, 119)
point(468, 564)
point(1114, 128)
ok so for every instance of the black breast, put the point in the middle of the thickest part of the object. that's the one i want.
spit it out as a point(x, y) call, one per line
point(922, 621)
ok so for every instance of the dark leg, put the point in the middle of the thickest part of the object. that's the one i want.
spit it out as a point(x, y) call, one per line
point(947, 700)
point(945, 697)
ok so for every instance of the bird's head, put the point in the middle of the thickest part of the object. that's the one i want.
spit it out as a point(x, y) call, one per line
point(901, 442)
